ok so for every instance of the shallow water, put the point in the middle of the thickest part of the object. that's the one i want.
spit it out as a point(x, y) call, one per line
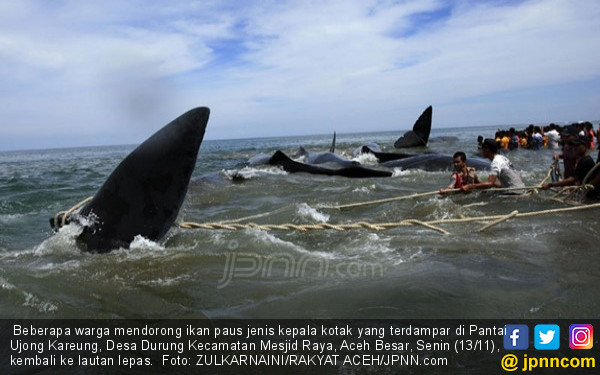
point(540, 267)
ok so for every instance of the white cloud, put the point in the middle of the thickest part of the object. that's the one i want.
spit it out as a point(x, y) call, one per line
point(271, 68)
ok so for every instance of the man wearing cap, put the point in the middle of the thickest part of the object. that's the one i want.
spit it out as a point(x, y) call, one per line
point(583, 166)
point(502, 172)
point(568, 154)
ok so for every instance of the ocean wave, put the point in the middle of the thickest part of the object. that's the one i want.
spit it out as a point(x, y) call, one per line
point(399, 172)
point(10, 218)
point(307, 211)
point(142, 243)
point(62, 242)
point(367, 159)
point(272, 242)
point(365, 189)
point(248, 173)
point(29, 299)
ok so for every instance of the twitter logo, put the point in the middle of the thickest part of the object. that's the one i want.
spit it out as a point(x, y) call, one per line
point(547, 337)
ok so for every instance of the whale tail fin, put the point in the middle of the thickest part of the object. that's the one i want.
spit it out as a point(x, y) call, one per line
point(419, 135)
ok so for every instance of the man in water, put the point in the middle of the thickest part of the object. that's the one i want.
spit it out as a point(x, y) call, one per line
point(502, 172)
point(553, 137)
point(462, 175)
point(568, 155)
point(583, 165)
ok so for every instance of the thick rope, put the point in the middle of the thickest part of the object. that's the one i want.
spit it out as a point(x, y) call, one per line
point(380, 226)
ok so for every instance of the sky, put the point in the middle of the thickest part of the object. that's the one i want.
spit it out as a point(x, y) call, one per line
point(81, 73)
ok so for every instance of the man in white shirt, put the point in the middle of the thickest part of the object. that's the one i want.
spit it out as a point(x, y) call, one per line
point(553, 137)
point(502, 173)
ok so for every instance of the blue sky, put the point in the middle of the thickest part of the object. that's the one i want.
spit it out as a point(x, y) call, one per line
point(79, 73)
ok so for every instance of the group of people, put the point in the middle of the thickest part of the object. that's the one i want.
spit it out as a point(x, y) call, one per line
point(575, 155)
point(538, 137)
point(502, 173)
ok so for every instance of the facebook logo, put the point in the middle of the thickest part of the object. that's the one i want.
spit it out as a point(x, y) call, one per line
point(516, 337)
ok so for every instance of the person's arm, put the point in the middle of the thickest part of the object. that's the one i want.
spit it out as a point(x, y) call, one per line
point(595, 180)
point(490, 183)
point(475, 177)
point(451, 186)
point(453, 181)
point(558, 156)
point(564, 182)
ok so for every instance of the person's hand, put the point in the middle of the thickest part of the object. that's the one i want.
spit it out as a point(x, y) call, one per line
point(556, 157)
point(545, 186)
point(466, 188)
point(442, 191)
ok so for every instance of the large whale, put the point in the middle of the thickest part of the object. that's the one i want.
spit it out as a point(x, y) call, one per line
point(419, 135)
point(324, 158)
point(291, 166)
point(436, 162)
point(144, 194)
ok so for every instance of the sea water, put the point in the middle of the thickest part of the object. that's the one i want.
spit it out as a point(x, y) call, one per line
point(539, 267)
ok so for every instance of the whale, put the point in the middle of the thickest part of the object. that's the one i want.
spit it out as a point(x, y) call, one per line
point(260, 159)
point(364, 148)
point(324, 157)
point(144, 193)
point(383, 157)
point(436, 162)
point(280, 159)
point(419, 135)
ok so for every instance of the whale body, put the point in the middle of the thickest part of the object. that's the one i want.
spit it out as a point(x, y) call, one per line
point(291, 166)
point(436, 162)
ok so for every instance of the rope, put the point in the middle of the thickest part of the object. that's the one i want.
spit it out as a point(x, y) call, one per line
point(590, 173)
point(382, 226)
point(419, 195)
point(550, 174)
point(570, 191)
point(60, 219)
point(501, 220)
point(378, 201)
point(253, 216)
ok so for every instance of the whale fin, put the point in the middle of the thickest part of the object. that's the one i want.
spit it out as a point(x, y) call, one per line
point(144, 193)
point(419, 136)
point(332, 148)
point(300, 153)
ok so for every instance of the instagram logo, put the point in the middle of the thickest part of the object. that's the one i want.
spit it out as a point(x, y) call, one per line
point(581, 336)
